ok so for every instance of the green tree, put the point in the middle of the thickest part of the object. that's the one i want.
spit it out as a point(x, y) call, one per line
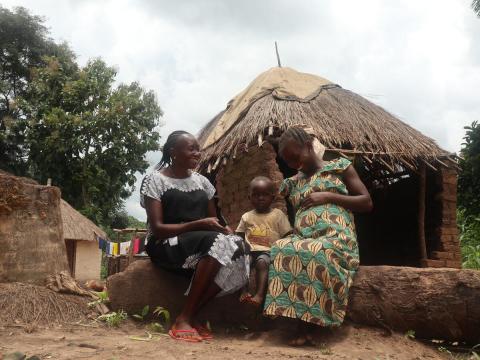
point(23, 44)
point(469, 178)
point(476, 7)
point(468, 218)
point(87, 135)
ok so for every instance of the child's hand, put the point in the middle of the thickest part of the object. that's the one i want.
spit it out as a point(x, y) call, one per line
point(317, 198)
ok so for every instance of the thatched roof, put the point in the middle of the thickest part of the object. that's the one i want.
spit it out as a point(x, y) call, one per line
point(343, 121)
point(76, 226)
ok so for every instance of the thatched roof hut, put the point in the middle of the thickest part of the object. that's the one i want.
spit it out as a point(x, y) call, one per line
point(78, 227)
point(81, 240)
point(343, 121)
point(397, 162)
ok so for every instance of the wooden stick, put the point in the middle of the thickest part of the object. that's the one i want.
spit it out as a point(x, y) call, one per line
point(386, 164)
point(130, 250)
point(421, 212)
point(409, 165)
point(368, 160)
point(430, 165)
point(278, 56)
point(442, 163)
point(260, 140)
point(216, 163)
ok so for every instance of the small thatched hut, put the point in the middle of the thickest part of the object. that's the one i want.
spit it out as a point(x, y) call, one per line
point(411, 179)
point(80, 234)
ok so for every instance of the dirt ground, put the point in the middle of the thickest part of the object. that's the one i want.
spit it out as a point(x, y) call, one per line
point(99, 342)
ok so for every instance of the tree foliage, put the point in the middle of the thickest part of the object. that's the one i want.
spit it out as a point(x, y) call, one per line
point(88, 136)
point(476, 7)
point(23, 45)
point(469, 178)
point(468, 218)
point(70, 123)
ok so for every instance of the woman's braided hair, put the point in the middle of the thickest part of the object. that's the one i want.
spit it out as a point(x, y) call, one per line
point(295, 133)
point(169, 144)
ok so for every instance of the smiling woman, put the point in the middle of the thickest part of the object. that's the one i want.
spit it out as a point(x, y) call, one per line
point(185, 234)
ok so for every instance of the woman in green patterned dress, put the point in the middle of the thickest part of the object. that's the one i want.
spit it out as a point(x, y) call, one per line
point(312, 270)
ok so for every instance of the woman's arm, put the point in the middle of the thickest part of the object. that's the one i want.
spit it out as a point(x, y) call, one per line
point(163, 231)
point(358, 200)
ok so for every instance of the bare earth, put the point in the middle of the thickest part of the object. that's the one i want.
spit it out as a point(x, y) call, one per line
point(99, 342)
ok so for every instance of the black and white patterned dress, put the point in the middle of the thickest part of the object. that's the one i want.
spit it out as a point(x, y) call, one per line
point(185, 200)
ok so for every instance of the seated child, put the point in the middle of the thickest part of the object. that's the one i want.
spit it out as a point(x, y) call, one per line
point(261, 227)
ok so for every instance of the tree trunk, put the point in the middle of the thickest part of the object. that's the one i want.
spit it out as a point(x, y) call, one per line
point(435, 303)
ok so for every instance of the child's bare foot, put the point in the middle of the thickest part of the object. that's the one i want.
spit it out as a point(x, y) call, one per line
point(257, 300)
point(244, 296)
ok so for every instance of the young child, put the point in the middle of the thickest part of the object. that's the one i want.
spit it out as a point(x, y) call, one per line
point(261, 227)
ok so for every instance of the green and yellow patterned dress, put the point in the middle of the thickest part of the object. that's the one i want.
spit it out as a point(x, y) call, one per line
point(311, 271)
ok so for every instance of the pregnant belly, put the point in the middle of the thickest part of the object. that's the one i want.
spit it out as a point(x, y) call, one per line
point(323, 220)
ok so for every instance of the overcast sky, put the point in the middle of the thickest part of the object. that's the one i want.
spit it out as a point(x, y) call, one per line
point(418, 59)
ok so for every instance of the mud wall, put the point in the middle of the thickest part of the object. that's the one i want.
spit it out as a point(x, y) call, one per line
point(31, 233)
point(443, 243)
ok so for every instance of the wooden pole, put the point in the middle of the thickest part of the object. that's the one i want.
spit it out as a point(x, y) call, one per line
point(278, 56)
point(421, 214)
point(130, 250)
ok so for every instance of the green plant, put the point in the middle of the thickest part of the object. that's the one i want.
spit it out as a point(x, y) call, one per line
point(156, 327)
point(113, 319)
point(324, 350)
point(410, 334)
point(160, 311)
point(471, 257)
point(102, 299)
point(142, 315)
point(469, 227)
point(443, 349)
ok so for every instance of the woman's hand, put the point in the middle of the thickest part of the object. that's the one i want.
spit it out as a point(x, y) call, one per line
point(212, 224)
point(317, 198)
point(229, 230)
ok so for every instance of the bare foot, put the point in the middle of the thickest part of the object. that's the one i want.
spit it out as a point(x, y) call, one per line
point(244, 296)
point(304, 335)
point(299, 340)
point(257, 299)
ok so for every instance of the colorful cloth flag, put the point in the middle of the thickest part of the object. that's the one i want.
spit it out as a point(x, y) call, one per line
point(136, 245)
point(124, 247)
point(116, 249)
point(101, 244)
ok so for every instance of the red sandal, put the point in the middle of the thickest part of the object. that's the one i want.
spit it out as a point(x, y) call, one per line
point(174, 334)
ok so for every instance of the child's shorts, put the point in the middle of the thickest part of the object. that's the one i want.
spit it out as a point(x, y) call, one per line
point(260, 255)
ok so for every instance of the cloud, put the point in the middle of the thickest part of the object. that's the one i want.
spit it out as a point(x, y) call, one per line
point(418, 60)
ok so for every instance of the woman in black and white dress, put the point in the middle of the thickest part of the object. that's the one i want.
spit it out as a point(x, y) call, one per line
point(185, 233)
